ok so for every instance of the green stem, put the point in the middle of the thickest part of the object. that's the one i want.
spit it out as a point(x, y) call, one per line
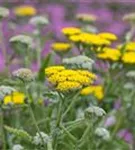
point(32, 115)
point(3, 131)
point(49, 145)
point(68, 134)
point(71, 105)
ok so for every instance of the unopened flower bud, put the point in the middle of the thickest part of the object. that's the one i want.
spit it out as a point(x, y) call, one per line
point(5, 90)
point(4, 12)
point(21, 39)
point(94, 111)
point(38, 141)
point(23, 74)
point(39, 21)
point(17, 147)
point(102, 133)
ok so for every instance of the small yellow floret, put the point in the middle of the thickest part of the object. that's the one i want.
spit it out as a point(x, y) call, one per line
point(71, 31)
point(25, 11)
point(61, 47)
point(96, 90)
point(129, 57)
point(15, 98)
point(108, 36)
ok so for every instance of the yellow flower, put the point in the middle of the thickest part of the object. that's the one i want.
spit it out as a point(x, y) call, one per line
point(75, 38)
point(96, 90)
point(71, 31)
point(61, 47)
point(68, 85)
point(86, 18)
point(53, 70)
point(110, 53)
point(93, 39)
point(128, 47)
point(77, 78)
point(108, 36)
point(25, 10)
point(15, 98)
point(129, 57)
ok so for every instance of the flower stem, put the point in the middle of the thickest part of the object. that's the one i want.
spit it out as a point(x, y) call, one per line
point(2, 131)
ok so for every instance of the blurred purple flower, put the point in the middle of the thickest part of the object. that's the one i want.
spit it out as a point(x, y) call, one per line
point(110, 121)
point(2, 63)
point(126, 135)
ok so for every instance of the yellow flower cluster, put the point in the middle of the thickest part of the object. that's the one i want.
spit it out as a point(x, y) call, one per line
point(89, 39)
point(25, 10)
point(61, 47)
point(96, 90)
point(71, 31)
point(130, 46)
point(84, 17)
point(110, 54)
point(108, 36)
point(15, 98)
point(129, 57)
point(66, 79)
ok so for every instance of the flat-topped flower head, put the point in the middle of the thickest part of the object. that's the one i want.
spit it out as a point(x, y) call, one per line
point(17, 147)
point(14, 98)
point(5, 90)
point(39, 21)
point(82, 62)
point(86, 18)
point(130, 46)
point(25, 10)
point(61, 47)
point(130, 17)
point(41, 139)
point(108, 35)
point(4, 12)
point(102, 133)
point(128, 58)
point(94, 111)
point(71, 31)
point(53, 70)
point(65, 80)
point(93, 39)
point(96, 90)
point(22, 39)
point(23, 74)
point(110, 54)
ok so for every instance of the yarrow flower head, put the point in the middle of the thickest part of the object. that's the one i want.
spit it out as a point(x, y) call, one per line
point(94, 111)
point(128, 58)
point(65, 80)
point(22, 39)
point(110, 54)
point(37, 140)
point(14, 98)
point(5, 90)
point(71, 31)
point(17, 147)
point(79, 62)
point(25, 10)
point(108, 36)
point(130, 46)
point(4, 12)
point(102, 133)
point(23, 74)
point(60, 47)
point(129, 17)
point(131, 74)
point(39, 21)
point(86, 18)
point(96, 90)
